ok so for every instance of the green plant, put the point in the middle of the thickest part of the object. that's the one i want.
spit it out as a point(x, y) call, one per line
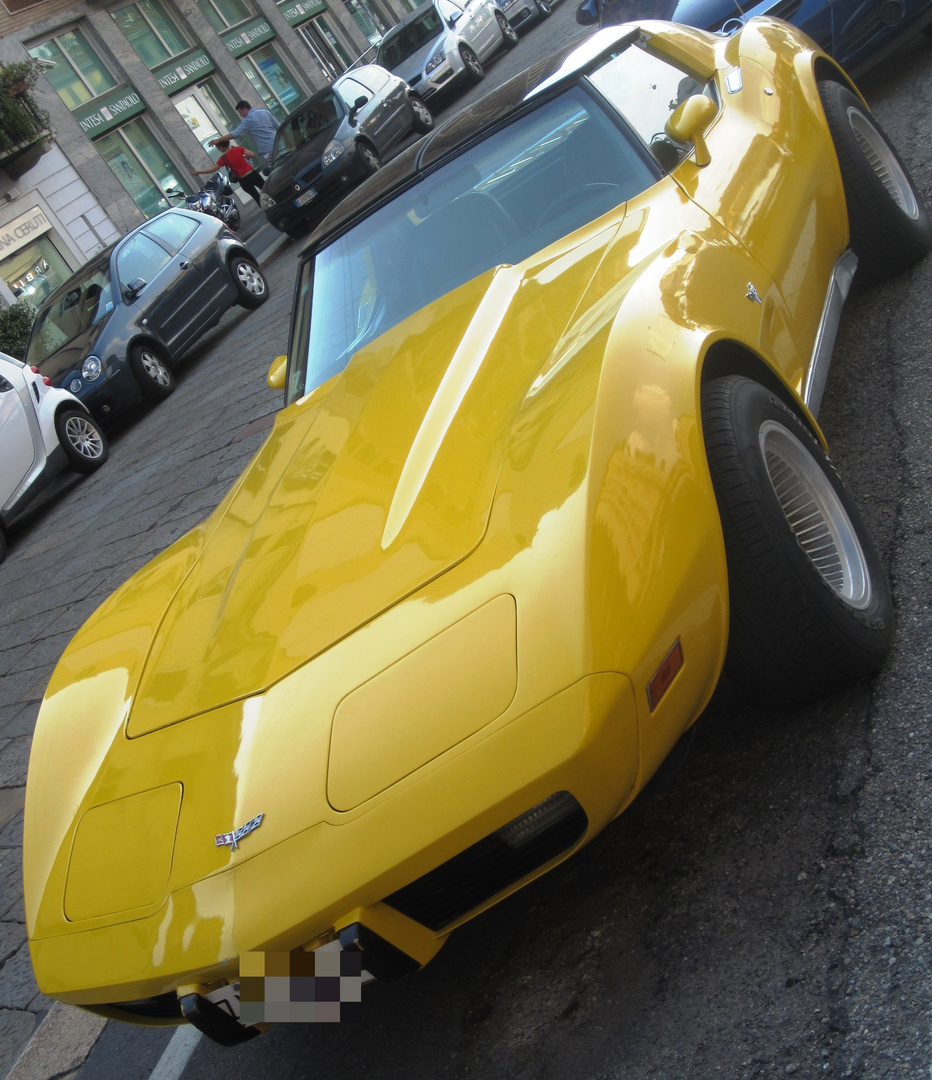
point(15, 323)
point(21, 119)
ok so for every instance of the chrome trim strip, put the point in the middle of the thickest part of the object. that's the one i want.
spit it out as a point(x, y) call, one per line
point(819, 363)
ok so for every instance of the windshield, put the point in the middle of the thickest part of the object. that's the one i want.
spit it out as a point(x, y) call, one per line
point(315, 118)
point(396, 48)
point(87, 299)
point(543, 176)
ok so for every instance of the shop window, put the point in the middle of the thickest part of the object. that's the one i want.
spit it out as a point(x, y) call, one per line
point(222, 14)
point(271, 80)
point(72, 67)
point(368, 18)
point(142, 166)
point(149, 29)
point(330, 56)
point(35, 272)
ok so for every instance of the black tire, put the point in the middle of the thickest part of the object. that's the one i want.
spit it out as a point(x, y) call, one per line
point(151, 372)
point(3, 544)
point(887, 219)
point(371, 162)
point(251, 287)
point(423, 117)
point(233, 218)
point(810, 607)
point(81, 438)
point(509, 34)
point(472, 64)
point(543, 6)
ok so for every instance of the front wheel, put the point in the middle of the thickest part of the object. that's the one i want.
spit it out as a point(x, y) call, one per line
point(151, 372)
point(474, 69)
point(251, 286)
point(888, 222)
point(544, 8)
point(371, 162)
point(81, 438)
point(423, 117)
point(509, 34)
point(810, 607)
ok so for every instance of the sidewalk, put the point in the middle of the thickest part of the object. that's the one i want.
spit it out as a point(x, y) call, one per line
point(46, 593)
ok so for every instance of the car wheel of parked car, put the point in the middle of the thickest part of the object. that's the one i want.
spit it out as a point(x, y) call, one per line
point(509, 34)
point(810, 607)
point(423, 117)
point(544, 8)
point(250, 282)
point(371, 161)
point(474, 69)
point(81, 438)
point(151, 372)
point(889, 223)
point(2, 544)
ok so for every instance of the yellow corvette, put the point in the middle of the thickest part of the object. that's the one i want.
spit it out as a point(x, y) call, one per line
point(548, 461)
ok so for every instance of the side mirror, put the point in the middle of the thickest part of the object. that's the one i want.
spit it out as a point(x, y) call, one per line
point(688, 122)
point(357, 105)
point(134, 288)
point(276, 375)
point(454, 15)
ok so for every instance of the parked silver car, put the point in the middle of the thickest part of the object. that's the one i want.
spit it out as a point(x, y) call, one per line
point(443, 43)
point(334, 140)
point(43, 431)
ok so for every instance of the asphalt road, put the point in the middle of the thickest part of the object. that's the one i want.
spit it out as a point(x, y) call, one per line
point(768, 914)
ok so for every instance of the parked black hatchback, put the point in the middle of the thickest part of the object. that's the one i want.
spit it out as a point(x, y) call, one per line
point(113, 331)
point(334, 140)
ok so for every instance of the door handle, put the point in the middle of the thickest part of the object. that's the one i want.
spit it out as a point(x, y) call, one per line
point(184, 264)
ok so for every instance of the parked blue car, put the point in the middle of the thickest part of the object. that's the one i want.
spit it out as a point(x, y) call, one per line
point(857, 33)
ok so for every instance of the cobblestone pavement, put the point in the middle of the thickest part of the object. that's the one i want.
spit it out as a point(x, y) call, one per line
point(169, 467)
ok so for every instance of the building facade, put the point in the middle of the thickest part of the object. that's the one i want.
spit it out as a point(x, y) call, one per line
point(134, 91)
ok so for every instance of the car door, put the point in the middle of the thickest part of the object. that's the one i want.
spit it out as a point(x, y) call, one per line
point(383, 119)
point(17, 449)
point(170, 300)
point(473, 23)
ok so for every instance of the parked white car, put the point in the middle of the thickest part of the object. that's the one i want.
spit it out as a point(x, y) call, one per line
point(43, 431)
point(443, 42)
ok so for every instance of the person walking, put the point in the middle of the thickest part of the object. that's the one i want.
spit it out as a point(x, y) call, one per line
point(259, 124)
point(236, 159)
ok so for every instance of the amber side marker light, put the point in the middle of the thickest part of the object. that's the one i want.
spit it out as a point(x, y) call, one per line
point(664, 675)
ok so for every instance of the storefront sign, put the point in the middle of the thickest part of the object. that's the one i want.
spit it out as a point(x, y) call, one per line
point(299, 11)
point(184, 69)
point(244, 38)
point(109, 110)
point(23, 230)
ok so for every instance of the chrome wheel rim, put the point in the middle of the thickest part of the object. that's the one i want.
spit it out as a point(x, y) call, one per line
point(882, 160)
point(155, 369)
point(421, 111)
point(472, 62)
point(250, 278)
point(84, 437)
point(370, 158)
point(816, 515)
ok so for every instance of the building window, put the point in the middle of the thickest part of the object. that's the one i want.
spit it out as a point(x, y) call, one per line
point(141, 165)
point(331, 58)
point(222, 14)
point(35, 272)
point(150, 31)
point(271, 80)
point(72, 68)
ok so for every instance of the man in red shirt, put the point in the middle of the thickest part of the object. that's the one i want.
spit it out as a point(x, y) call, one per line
point(235, 158)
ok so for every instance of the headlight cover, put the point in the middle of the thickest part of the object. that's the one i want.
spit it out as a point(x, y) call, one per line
point(434, 62)
point(266, 202)
point(332, 151)
point(90, 368)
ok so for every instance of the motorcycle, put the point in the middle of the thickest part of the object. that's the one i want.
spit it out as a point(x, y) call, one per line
point(215, 198)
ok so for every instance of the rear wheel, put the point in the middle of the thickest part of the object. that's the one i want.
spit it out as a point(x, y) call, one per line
point(810, 607)
point(474, 69)
point(81, 438)
point(509, 34)
point(251, 286)
point(887, 219)
point(150, 370)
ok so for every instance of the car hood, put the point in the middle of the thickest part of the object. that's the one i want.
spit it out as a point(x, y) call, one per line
point(69, 356)
point(413, 65)
point(377, 483)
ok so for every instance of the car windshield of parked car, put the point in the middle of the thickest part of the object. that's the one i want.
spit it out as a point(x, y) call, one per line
point(87, 300)
point(316, 117)
point(525, 186)
point(396, 48)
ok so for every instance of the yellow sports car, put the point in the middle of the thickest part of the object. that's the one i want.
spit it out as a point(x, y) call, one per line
point(548, 461)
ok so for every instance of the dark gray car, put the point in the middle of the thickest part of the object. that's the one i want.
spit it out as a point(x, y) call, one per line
point(334, 140)
point(112, 332)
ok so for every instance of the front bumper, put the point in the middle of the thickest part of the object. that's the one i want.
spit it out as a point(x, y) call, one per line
point(318, 197)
